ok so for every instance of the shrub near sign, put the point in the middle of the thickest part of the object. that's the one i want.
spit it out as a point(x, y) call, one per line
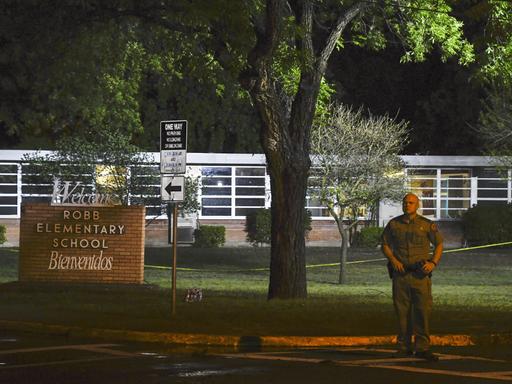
point(103, 244)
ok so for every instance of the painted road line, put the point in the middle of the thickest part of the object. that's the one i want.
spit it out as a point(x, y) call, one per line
point(55, 348)
point(61, 362)
point(258, 356)
point(384, 363)
point(441, 356)
point(107, 351)
point(464, 357)
point(416, 359)
point(102, 349)
point(479, 375)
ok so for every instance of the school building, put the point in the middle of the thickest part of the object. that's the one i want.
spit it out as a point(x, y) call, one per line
point(231, 185)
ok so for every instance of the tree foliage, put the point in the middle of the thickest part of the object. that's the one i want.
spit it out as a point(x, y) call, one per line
point(495, 121)
point(356, 165)
point(496, 44)
point(110, 65)
point(495, 125)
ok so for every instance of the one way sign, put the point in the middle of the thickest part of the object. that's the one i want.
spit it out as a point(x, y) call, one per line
point(173, 188)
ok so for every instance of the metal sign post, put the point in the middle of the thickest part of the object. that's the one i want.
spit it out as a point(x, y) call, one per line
point(173, 160)
point(172, 232)
point(174, 255)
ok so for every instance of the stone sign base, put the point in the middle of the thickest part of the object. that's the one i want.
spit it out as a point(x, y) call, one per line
point(82, 243)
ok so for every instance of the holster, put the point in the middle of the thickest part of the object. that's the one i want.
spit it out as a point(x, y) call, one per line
point(415, 269)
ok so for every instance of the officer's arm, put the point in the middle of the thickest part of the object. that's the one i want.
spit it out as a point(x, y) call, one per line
point(437, 239)
point(434, 261)
point(395, 263)
point(438, 251)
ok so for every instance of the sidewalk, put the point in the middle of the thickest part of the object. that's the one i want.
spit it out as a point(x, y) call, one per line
point(245, 340)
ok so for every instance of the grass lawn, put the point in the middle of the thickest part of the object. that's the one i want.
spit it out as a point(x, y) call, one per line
point(472, 294)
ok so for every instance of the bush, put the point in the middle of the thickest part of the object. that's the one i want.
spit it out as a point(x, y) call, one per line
point(210, 236)
point(368, 237)
point(488, 224)
point(3, 231)
point(258, 223)
point(257, 226)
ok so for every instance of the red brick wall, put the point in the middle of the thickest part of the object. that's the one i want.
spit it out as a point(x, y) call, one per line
point(321, 230)
point(82, 244)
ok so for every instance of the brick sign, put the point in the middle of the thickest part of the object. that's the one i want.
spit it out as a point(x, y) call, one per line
point(82, 244)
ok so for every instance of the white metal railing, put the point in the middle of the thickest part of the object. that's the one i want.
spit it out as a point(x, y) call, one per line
point(232, 191)
point(449, 202)
point(10, 189)
point(445, 193)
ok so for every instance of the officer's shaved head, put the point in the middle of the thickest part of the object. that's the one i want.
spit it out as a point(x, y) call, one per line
point(410, 204)
point(411, 195)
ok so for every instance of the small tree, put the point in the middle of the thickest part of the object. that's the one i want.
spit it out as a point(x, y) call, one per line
point(3, 237)
point(356, 164)
point(102, 162)
point(190, 204)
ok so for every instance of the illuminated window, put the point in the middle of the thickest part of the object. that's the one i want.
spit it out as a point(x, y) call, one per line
point(444, 193)
point(111, 180)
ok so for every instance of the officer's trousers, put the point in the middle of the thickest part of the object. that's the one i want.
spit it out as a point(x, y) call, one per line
point(412, 299)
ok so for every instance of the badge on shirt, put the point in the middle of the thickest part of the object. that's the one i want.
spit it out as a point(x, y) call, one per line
point(433, 227)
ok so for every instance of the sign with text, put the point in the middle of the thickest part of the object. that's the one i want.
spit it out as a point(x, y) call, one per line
point(173, 188)
point(82, 244)
point(173, 146)
point(73, 194)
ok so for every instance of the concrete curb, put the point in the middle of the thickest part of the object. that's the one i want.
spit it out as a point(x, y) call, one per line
point(240, 341)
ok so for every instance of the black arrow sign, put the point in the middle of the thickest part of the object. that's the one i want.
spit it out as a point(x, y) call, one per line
point(173, 188)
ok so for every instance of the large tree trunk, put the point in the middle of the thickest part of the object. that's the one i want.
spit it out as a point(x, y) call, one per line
point(288, 260)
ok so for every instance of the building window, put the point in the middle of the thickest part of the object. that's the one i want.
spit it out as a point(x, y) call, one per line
point(250, 189)
point(444, 193)
point(424, 183)
point(492, 187)
point(455, 192)
point(145, 188)
point(232, 191)
point(216, 191)
point(315, 206)
point(9, 199)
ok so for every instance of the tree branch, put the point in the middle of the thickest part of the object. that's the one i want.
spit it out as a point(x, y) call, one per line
point(269, 39)
point(305, 44)
point(157, 15)
point(341, 24)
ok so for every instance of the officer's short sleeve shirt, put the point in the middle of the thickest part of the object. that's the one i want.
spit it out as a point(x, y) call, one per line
point(411, 240)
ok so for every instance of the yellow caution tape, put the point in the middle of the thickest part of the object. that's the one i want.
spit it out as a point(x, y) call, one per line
point(478, 247)
point(206, 270)
point(383, 258)
point(320, 265)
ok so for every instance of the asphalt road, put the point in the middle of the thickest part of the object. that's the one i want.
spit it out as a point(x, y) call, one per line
point(29, 358)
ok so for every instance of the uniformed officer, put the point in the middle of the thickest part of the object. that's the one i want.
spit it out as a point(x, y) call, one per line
point(406, 244)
